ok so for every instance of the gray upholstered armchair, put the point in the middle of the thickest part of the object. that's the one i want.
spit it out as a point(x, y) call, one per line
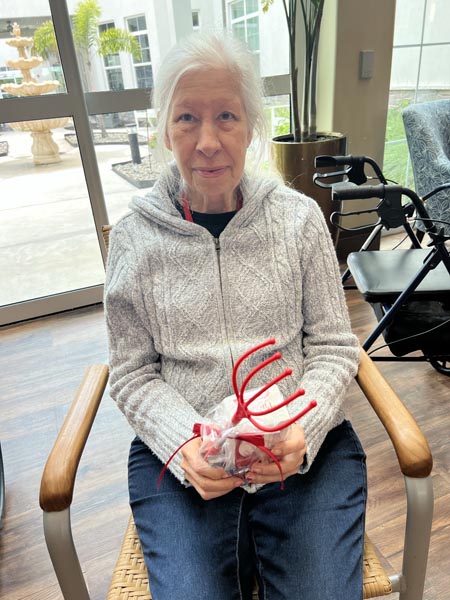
point(427, 127)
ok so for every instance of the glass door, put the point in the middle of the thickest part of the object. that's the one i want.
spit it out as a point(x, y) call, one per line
point(52, 203)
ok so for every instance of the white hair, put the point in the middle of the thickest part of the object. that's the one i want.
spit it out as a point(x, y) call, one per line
point(202, 52)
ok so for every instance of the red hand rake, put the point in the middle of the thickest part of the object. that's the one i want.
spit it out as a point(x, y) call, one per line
point(244, 410)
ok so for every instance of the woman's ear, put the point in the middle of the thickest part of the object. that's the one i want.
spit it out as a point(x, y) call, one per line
point(167, 141)
point(249, 137)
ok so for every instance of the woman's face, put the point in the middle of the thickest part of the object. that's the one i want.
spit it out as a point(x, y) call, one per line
point(208, 133)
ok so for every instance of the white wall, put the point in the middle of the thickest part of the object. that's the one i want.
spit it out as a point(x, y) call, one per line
point(274, 54)
point(211, 13)
point(346, 103)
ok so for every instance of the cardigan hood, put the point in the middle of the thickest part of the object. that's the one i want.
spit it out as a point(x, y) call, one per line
point(159, 204)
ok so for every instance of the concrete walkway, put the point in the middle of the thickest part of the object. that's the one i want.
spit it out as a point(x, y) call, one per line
point(48, 242)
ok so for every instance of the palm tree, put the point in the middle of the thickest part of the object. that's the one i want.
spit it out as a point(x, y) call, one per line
point(88, 41)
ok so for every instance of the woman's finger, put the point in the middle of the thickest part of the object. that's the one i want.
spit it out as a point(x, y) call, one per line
point(209, 488)
point(210, 482)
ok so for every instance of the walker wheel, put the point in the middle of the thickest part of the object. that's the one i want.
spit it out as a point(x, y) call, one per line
point(442, 365)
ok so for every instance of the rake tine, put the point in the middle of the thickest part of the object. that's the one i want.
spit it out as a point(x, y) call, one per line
point(256, 370)
point(284, 424)
point(274, 381)
point(285, 402)
point(241, 360)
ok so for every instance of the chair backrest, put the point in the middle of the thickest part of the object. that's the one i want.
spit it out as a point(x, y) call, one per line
point(427, 127)
point(106, 230)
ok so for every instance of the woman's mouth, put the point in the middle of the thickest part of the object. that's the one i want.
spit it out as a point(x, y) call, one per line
point(210, 172)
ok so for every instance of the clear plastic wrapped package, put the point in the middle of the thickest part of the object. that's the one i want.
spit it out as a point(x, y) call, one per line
point(236, 447)
point(244, 427)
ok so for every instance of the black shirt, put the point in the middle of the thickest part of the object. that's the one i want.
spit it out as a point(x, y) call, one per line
point(215, 223)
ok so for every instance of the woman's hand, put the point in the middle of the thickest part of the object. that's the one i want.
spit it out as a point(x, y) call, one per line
point(290, 452)
point(210, 482)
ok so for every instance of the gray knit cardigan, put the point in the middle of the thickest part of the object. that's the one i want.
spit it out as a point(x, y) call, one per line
point(181, 307)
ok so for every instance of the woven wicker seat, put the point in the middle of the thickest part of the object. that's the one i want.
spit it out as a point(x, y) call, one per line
point(130, 578)
point(375, 581)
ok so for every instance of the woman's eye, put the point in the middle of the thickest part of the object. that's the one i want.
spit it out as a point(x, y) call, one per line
point(186, 117)
point(227, 116)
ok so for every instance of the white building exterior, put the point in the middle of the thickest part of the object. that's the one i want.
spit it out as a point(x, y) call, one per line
point(421, 28)
point(158, 25)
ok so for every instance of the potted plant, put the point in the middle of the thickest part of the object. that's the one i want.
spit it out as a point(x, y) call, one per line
point(294, 153)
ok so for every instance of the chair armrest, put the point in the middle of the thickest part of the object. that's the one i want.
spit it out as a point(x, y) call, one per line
point(58, 479)
point(409, 442)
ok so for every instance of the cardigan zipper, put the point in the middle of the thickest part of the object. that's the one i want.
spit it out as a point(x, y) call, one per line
point(217, 245)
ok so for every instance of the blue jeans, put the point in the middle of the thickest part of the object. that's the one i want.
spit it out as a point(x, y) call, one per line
point(301, 543)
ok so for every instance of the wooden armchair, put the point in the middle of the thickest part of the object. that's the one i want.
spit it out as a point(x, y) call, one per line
point(130, 576)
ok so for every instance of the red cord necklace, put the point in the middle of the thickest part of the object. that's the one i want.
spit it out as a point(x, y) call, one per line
point(187, 210)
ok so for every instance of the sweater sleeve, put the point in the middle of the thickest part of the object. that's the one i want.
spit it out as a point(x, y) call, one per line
point(159, 415)
point(331, 350)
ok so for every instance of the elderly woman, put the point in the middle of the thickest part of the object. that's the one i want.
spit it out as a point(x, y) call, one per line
point(210, 263)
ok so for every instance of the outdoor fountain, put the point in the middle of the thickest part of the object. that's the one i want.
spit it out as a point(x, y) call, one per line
point(44, 148)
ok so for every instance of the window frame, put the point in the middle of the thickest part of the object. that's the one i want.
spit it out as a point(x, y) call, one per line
point(111, 68)
point(244, 19)
point(138, 64)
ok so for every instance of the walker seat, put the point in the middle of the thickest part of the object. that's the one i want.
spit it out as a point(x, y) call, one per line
point(382, 275)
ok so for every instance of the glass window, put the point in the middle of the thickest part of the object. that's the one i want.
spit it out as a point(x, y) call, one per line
point(277, 111)
point(144, 76)
point(405, 68)
point(253, 34)
point(126, 158)
point(115, 79)
point(48, 243)
point(238, 30)
point(142, 38)
point(433, 76)
point(408, 28)
point(238, 9)
point(244, 22)
point(21, 64)
point(52, 200)
point(137, 26)
point(421, 49)
point(111, 63)
point(105, 26)
point(436, 22)
point(195, 19)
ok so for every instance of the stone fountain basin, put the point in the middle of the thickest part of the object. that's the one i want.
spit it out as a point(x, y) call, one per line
point(24, 63)
point(20, 42)
point(39, 125)
point(30, 88)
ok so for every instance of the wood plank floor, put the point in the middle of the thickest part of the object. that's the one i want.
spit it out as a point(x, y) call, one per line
point(41, 364)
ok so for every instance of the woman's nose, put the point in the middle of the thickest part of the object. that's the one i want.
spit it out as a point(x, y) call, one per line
point(208, 142)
